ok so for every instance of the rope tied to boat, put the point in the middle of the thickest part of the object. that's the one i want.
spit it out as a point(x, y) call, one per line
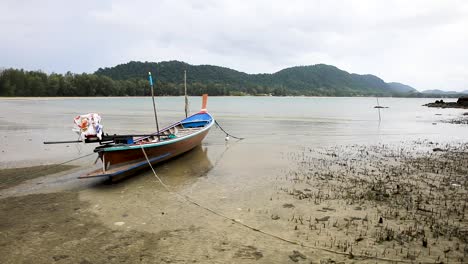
point(227, 134)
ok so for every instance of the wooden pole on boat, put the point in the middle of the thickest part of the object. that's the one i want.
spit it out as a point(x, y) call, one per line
point(154, 104)
point(204, 102)
point(186, 99)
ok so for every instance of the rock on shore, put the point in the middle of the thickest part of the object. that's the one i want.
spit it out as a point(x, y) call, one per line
point(462, 102)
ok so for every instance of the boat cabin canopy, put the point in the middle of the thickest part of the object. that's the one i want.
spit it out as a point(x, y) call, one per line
point(198, 120)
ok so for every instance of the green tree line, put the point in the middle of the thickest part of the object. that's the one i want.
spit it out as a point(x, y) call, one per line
point(14, 82)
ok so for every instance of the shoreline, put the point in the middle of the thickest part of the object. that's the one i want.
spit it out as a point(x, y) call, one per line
point(196, 96)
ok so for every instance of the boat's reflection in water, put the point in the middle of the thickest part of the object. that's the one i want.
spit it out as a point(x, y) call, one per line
point(179, 171)
point(185, 168)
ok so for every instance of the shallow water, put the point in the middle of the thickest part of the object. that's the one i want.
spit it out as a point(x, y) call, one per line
point(272, 127)
point(265, 122)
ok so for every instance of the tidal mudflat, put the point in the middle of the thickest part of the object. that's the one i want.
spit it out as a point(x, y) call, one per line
point(405, 202)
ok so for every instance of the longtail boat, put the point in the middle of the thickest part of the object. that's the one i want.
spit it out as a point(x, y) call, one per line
point(124, 155)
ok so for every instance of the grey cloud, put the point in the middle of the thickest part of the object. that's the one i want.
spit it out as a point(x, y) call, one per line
point(421, 43)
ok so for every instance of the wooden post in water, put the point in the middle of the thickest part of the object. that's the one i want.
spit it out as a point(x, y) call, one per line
point(154, 104)
point(186, 98)
point(378, 108)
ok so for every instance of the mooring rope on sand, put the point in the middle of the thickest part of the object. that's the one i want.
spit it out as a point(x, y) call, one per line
point(190, 200)
point(227, 134)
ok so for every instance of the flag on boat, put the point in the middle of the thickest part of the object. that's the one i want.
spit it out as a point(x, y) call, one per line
point(88, 125)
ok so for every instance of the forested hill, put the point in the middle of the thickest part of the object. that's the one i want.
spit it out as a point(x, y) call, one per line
point(130, 79)
point(320, 79)
point(173, 72)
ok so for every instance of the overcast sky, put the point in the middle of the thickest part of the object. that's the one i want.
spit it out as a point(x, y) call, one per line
point(420, 43)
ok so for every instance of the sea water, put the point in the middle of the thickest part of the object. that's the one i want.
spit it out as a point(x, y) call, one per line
point(264, 122)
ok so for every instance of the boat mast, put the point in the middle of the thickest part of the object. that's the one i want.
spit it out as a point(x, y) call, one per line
point(154, 104)
point(186, 98)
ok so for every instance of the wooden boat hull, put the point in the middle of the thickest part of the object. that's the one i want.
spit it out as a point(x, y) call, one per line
point(122, 161)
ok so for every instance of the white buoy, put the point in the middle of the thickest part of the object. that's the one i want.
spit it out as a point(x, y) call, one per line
point(226, 138)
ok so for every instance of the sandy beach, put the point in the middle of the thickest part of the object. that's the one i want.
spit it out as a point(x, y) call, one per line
point(342, 204)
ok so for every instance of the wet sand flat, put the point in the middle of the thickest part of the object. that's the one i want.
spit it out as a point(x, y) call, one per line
point(341, 204)
point(14, 176)
point(55, 228)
